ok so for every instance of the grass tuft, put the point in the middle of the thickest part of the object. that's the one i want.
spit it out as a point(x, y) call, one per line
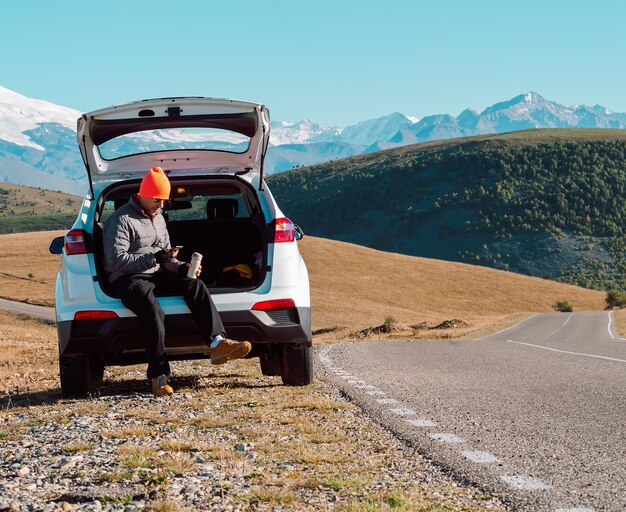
point(111, 477)
point(77, 447)
point(172, 445)
point(163, 506)
point(178, 463)
point(126, 432)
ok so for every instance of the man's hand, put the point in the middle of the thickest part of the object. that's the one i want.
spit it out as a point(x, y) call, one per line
point(162, 256)
point(183, 268)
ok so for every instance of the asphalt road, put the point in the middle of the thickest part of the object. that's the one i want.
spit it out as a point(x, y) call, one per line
point(535, 414)
point(28, 309)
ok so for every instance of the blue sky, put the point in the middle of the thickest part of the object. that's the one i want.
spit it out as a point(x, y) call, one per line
point(335, 62)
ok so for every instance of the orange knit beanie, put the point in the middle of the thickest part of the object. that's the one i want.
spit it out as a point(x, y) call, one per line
point(155, 184)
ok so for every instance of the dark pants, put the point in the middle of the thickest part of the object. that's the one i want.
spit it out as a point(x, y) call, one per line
point(138, 293)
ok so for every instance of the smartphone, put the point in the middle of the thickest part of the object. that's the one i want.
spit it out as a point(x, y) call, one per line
point(179, 247)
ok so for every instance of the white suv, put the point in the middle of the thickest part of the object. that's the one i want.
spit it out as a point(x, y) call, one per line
point(212, 151)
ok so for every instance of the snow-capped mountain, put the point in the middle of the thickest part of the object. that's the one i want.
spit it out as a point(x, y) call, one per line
point(522, 112)
point(287, 132)
point(19, 114)
point(38, 138)
point(368, 132)
point(528, 110)
point(287, 156)
point(38, 144)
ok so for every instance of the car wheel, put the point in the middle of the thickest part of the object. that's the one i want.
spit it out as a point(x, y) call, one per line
point(79, 375)
point(270, 363)
point(297, 365)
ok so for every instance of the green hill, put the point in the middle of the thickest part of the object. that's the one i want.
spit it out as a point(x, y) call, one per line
point(547, 203)
point(24, 209)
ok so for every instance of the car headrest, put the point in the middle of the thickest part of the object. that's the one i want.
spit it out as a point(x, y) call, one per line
point(118, 203)
point(221, 208)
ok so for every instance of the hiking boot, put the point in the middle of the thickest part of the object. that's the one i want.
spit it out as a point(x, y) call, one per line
point(227, 350)
point(160, 386)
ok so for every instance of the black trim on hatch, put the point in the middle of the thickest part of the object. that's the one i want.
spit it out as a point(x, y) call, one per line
point(103, 130)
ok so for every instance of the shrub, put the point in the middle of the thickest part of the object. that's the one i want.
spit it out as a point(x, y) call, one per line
point(563, 306)
point(389, 321)
point(615, 299)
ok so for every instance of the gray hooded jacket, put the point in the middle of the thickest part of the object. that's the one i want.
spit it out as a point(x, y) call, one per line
point(131, 238)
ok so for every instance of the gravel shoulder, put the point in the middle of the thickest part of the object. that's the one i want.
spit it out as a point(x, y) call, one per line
point(229, 439)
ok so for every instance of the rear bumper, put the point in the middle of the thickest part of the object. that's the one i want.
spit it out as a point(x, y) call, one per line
point(119, 340)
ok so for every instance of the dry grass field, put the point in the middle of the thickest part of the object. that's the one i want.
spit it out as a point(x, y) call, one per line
point(27, 269)
point(21, 200)
point(353, 287)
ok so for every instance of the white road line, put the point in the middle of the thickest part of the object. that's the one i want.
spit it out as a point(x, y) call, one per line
point(421, 423)
point(480, 457)
point(376, 392)
point(504, 330)
point(568, 319)
point(403, 412)
point(609, 327)
point(578, 509)
point(446, 438)
point(595, 356)
point(611, 319)
point(552, 333)
point(525, 483)
point(366, 386)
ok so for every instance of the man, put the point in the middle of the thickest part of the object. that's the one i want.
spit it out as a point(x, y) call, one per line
point(140, 264)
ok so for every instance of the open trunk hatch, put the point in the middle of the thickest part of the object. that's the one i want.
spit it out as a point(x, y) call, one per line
point(155, 135)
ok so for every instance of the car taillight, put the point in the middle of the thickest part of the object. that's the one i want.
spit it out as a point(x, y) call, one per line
point(268, 305)
point(75, 242)
point(94, 315)
point(285, 230)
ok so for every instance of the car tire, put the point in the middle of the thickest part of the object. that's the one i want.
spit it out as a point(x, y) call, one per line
point(80, 376)
point(297, 365)
point(271, 363)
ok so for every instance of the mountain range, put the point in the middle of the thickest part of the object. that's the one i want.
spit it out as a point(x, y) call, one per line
point(38, 138)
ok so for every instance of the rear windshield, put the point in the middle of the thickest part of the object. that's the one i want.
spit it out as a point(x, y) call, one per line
point(168, 139)
point(205, 206)
point(212, 207)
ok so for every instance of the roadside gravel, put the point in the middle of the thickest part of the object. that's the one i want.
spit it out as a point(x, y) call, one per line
point(229, 439)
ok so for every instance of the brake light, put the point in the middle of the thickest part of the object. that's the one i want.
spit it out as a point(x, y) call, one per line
point(285, 230)
point(94, 315)
point(268, 305)
point(75, 242)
